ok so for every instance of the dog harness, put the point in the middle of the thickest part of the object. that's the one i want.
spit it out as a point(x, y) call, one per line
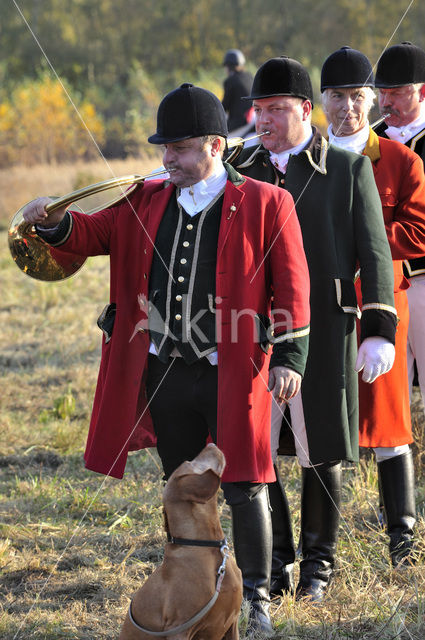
point(224, 549)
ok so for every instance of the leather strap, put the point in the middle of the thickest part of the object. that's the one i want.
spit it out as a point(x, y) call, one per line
point(196, 543)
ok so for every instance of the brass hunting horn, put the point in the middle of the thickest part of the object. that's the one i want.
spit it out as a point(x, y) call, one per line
point(41, 261)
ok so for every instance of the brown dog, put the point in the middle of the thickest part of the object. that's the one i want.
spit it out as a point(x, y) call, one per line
point(188, 581)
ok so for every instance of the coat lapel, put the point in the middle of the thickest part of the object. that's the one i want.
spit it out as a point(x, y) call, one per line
point(233, 197)
point(154, 213)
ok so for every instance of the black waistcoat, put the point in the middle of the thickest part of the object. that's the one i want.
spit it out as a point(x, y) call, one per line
point(182, 282)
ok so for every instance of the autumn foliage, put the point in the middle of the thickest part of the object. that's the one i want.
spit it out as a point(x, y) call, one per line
point(42, 123)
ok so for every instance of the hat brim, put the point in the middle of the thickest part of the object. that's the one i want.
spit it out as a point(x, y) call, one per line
point(392, 85)
point(156, 138)
point(350, 85)
point(274, 95)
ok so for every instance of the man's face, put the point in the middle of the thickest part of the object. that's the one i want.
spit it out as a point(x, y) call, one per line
point(285, 117)
point(189, 161)
point(402, 103)
point(347, 110)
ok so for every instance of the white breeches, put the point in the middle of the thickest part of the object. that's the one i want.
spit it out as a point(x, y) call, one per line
point(298, 428)
point(416, 334)
point(385, 453)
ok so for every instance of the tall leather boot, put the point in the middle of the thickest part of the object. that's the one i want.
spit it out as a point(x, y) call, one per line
point(252, 539)
point(381, 513)
point(397, 481)
point(283, 556)
point(320, 507)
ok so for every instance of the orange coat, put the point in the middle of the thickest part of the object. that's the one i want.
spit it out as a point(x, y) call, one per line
point(399, 175)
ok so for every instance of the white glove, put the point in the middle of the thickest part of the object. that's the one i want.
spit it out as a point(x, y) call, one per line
point(375, 356)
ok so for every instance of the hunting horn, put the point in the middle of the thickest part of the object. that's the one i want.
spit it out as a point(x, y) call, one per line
point(42, 261)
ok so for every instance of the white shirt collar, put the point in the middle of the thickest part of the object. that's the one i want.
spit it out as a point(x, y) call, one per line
point(195, 198)
point(356, 142)
point(280, 160)
point(406, 133)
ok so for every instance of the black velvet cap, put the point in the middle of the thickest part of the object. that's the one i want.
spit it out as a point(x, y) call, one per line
point(189, 112)
point(346, 67)
point(281, 76)
point(399, 65)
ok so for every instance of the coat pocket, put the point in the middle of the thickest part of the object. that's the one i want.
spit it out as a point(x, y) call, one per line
point(346, 296)
point(388, 198)
point(106, 320)
point(389, 202)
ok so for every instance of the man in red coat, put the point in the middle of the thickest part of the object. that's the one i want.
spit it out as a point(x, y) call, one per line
point(400, 78)
point(195, 264)
point(347, 97)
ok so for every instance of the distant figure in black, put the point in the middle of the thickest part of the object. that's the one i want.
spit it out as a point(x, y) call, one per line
point(237, 84)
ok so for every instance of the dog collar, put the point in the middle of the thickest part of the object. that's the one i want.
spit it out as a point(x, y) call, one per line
point(196, 543)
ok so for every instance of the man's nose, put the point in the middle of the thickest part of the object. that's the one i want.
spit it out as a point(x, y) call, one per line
point(168, 156)
point(384, 100)
point(348, 103)
point(263, 117)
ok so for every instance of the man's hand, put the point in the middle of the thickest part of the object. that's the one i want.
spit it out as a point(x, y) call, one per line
point(35, 213)
point(284, 383)
point(375, 356)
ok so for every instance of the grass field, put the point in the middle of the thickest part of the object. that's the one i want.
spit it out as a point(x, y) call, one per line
point(75, 545)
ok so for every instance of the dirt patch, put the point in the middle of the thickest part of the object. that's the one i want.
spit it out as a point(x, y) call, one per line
point(72, 562)
point(22, 580)
point(87, 591)
point(45, 459)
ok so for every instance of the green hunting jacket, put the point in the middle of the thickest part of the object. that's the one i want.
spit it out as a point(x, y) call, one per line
point(341, 219)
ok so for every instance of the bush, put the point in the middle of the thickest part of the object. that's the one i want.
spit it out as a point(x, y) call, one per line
point(39, 124)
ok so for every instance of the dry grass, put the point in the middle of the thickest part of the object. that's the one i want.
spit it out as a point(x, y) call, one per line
point(74, 545)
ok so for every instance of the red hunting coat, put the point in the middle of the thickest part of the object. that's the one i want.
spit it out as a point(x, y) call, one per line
point(399, 176)
point(259, 253)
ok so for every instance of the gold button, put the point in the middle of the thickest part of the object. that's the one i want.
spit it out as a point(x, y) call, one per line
point(233, 208)
point(179, 298)
point(189, 226)
point(178, 316)
point(180, 279)
point(282, 181)
point(185, 244)
point(183, 261)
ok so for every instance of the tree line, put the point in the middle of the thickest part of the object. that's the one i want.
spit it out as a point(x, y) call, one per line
point(118, 57)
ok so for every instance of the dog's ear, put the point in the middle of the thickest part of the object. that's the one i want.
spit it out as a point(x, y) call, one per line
point(199, 487)
point(210, 459)
point(199, 479)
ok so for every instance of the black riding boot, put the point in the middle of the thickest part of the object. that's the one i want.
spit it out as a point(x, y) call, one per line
point(397, 481)
point(282, 577)
point(381, 513)
point(252, 539)
point(320, 506)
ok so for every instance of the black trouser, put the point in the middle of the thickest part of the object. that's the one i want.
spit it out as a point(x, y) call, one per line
point(183, 406)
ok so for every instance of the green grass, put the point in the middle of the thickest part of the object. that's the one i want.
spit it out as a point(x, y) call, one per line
point(75, 545)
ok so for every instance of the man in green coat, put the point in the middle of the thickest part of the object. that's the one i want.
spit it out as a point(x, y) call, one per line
point(340, 213)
